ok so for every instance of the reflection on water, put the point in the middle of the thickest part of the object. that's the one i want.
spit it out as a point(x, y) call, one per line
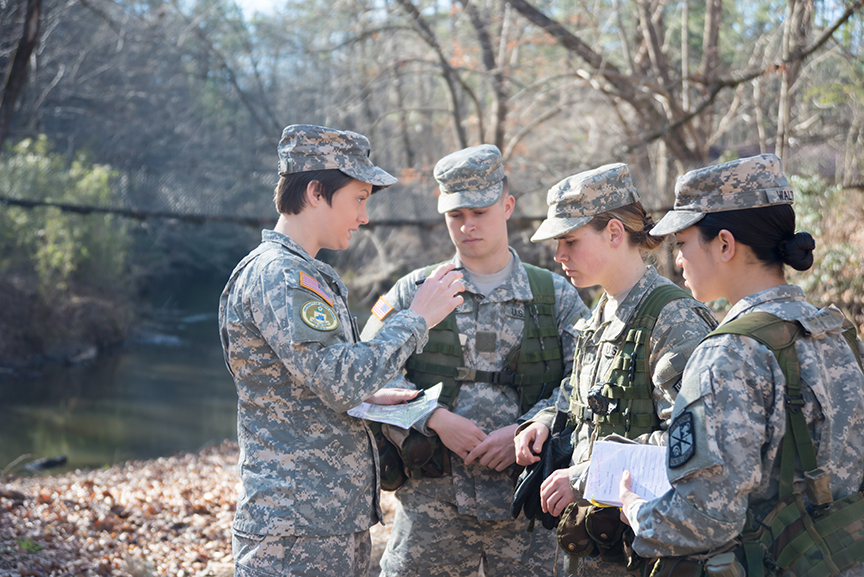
point(167, 390)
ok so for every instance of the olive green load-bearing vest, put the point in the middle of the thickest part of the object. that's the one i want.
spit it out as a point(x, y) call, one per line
point(534, 369)
point(627, 391)
point(824, 538)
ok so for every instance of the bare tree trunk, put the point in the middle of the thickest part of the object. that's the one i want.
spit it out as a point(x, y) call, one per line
point(499, 90)
point(851, 171)
point(403, 115)
point(709, 65)
point(799, 14)
point(450, 75)
point(16, 77)
point(685, 56)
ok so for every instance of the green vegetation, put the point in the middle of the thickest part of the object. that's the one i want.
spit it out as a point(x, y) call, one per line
point(64, 249)
point(63, 276)
point(29, 545)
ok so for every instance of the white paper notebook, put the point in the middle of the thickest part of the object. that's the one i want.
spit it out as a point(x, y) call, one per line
point(609, 460)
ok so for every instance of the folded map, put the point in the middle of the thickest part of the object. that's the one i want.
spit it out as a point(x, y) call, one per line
point(403, 415)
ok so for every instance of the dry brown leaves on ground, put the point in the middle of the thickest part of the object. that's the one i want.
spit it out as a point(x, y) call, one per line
point(170, 516)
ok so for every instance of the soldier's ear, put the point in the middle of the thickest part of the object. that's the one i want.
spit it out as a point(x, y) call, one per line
point(726, 245)
point(314, 193)
point(615, 232)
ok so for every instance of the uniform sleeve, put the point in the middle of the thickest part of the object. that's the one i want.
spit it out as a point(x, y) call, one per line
point(570, 310)
point(342, 374)
point(714, 453)
point(680, 327)
point(398, 298)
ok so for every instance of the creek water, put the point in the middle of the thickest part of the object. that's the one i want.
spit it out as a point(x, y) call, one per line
point(166, 390)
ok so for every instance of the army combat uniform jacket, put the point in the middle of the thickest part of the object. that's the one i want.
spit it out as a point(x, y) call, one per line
point(307, 468)
point(680, 326)
point(732, 401)
point(490, 327)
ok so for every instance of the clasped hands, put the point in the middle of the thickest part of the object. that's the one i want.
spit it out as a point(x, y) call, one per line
point(467, 440)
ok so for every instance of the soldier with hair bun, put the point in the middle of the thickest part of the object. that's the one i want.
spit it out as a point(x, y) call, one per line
point(630, 353)
point(766, 445)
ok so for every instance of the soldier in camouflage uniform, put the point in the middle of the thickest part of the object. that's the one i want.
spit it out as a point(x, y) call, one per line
point(601, 229)
point(310, 489)
point(736, 229)
point(449, 525)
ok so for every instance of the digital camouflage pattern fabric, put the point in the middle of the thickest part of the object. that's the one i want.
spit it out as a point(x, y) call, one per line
point(265, 556)
point(470, 178)
point(306, 147)
point(307, 468)
point(490, 327)
point(680, 326)
point(733, 391)
point(744, 183)
point(574, 201)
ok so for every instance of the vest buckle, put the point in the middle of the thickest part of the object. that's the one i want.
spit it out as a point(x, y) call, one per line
point(507, 377)
point(465, 374)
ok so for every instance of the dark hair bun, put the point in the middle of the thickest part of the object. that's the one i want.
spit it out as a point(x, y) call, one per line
point(797, 252)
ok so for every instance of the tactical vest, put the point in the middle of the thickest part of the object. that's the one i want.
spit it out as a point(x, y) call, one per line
point(534, 368)
point(825, 537)
point(623, 403)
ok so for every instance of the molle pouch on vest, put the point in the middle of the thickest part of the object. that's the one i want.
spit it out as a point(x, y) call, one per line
point(597, 532)
point(606, 529)
point(572, 533)
point(809, 542)
point(390, 465)
point(423, 456)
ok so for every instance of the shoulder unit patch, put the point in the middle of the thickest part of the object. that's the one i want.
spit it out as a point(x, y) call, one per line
point(319, 316)
point(682, 440)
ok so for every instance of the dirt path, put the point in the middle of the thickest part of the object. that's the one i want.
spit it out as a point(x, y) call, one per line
point(169, 516)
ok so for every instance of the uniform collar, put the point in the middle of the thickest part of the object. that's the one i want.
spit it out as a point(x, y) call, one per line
point(333, 280)
point(514, 287)
point(613, 327)
point(777, 294)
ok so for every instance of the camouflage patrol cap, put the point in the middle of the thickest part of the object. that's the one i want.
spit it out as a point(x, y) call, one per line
point(470, 178)
point(306, 147)
point(744, 183)
point(577, 199)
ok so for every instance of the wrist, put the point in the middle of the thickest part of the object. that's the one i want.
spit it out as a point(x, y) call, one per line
point(437, 419)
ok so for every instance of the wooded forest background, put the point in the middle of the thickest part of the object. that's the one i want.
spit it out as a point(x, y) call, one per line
point(173, 107)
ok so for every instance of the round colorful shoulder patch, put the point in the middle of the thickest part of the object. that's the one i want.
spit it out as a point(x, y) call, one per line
point(319, 316)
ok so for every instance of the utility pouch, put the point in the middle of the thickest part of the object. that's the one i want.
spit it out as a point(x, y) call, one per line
point(390, 465)
point(597, 532)
point(572, 533)
point(790, 541)
point(422, 456)
point(826, 541)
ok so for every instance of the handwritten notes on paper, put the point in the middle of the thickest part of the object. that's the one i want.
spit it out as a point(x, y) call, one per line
point(609, 460)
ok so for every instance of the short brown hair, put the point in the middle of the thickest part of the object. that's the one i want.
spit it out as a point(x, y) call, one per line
point(637, 222)
point(290, 193)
